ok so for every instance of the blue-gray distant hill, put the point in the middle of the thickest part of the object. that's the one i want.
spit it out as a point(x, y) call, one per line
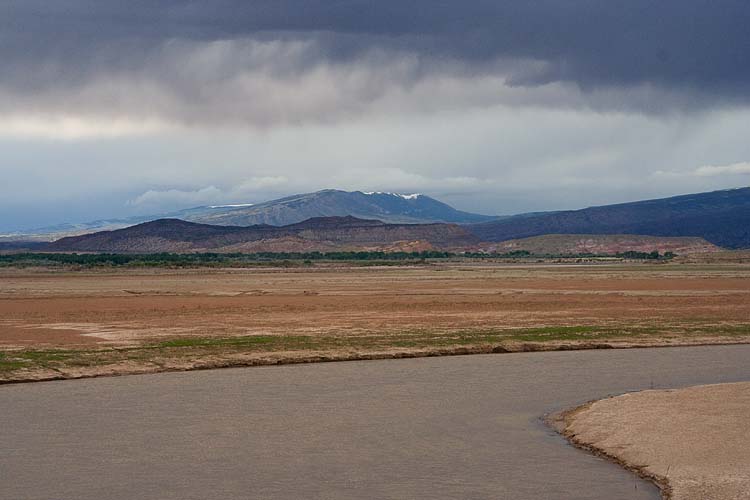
point(394, 208)
point(721, 217)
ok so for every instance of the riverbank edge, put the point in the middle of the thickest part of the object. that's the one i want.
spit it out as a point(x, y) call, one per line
point(560, 421)
point(286, 358)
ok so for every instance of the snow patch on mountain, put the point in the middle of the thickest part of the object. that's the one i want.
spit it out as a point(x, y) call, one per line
point(233, 206)
point(412, 196)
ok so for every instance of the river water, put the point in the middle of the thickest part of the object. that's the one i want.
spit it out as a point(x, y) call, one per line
point(465, 427)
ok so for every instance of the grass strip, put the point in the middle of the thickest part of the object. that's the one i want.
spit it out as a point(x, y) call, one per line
point(195, 348)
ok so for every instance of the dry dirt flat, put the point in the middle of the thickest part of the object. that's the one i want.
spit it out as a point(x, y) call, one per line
point(694, 442)
point(636, 304)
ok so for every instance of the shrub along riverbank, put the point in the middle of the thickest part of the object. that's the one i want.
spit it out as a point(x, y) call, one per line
point(282, 259)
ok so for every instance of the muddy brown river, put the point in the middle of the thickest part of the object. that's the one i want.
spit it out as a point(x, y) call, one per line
point(463, 427)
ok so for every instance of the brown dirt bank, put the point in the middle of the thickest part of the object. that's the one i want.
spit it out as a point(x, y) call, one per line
point(694, 443)
point(40, 366)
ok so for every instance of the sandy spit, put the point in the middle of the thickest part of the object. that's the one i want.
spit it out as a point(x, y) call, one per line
point(694, 443)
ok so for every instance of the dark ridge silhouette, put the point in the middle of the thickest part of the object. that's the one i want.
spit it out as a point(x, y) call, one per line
point(174, 235)
point(720, 217)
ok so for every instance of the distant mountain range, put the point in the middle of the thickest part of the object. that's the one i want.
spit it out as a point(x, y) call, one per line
point(721, 217)
point(393, 208)
point(331, 219)
point(316, 234)
point(326, 234)
point(386, 207)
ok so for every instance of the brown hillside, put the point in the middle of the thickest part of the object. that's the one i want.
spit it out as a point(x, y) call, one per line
point(322, 234)
point(602, 244)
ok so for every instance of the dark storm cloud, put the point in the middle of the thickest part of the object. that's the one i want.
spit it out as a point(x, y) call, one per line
point(292, 61)
point(701, 43)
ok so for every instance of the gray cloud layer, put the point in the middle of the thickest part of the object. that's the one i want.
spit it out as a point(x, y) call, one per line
point(270, 61)
point(702, 42)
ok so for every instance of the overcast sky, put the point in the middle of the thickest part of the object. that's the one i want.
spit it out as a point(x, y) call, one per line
point(111, 108)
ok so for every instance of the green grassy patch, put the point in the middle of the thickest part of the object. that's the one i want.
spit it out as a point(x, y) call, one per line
point(559, 333)
point(217, 342)
point(46, 357)
point(490, 336)
point(7, 365)
point(196, 348)
point(260, 342)
point(729, 330)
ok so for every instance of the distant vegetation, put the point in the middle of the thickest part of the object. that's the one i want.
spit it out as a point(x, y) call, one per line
point(281, 259)
point(629, 255)
point(645, 255)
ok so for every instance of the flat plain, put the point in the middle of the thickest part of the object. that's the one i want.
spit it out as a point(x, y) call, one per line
point(79, 323)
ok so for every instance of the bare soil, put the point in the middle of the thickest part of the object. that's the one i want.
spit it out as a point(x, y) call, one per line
point(130, 319)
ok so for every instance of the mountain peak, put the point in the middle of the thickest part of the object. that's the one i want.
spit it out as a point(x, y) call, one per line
point(388, 207)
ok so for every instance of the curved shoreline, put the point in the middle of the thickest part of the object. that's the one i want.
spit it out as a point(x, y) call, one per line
point(560, 421)
point(291, 358)
point(691, 442)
